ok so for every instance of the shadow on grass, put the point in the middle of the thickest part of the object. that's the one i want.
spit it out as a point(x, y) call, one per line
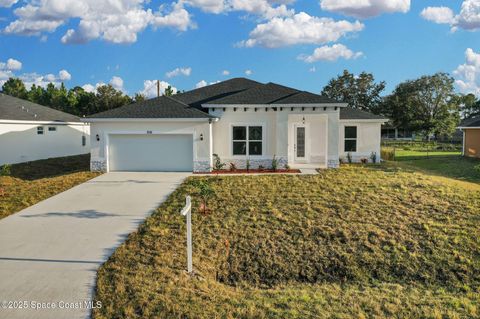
point(51, 167)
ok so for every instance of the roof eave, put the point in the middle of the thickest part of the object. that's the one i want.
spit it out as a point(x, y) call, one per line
point(165, 119)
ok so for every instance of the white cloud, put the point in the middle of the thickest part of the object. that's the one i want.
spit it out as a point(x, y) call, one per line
point(438, 14)
point(117, 21)
point(64, 75)
point(117, 83)
point(363, 9)
point(178, 72)
point(11, 65)
point(7, 3)
point(467, 75)
point(467, 19)
point(330, 53)
point(201, 84)
point(150, 88)
point(312, 69)
point(225, 72)
point(299, 29)
point(264, 8)
point(248, 72)
point(89, 88)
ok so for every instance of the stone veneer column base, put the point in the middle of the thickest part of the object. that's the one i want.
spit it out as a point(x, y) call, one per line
point(333, 164)
point(98, 165)
point(201, 166)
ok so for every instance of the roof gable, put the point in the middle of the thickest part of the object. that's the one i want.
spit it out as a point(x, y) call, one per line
point(305, 97)
point(472, 122)
point(13, 108)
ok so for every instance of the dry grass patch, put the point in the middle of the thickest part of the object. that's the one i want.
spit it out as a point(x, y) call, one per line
point(354, 242)
point(32, 182)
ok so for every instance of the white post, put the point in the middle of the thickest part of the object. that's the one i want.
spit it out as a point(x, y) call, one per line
point(187, 211)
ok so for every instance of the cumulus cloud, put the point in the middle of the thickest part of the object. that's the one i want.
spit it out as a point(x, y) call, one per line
point(225, 72)
point(330, 53)
point(11, 65)
point(363, 9)
point(248, 72)
point(117, 21)
point(117, 83)
point(64, 75)
point(89, 88)
point(467, 75)
point(299, 29)
point(264, 8)
point(201, 84)
point(178, 72)
point(467, 19)
point(150, 88)
point(438, 14)
point(7, 3)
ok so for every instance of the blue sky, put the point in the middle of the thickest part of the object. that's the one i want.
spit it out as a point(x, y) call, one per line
point(393, 39)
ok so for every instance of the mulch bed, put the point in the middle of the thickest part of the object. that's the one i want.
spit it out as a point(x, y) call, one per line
point(252, 171)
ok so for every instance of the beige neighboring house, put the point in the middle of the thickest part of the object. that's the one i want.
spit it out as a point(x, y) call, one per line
point(30, 132)
point(240, 120)
point(471, 137)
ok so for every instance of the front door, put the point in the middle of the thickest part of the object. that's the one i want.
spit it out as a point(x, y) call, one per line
point(300, 146)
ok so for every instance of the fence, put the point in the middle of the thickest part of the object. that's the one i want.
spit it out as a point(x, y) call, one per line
point(416, 150)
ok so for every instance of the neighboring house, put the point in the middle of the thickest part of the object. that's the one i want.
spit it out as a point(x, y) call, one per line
point(29, 132)
point(391, 132)
point(471, 137)
point(238, 119)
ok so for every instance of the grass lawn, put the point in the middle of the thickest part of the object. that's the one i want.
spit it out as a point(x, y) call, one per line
point(357, 242)
point(408, 155)
point(32, 182)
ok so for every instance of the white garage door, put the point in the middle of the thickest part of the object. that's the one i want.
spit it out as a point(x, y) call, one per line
point(150, 153)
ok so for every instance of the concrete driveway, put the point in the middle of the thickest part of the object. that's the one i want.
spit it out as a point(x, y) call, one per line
point(50, 252)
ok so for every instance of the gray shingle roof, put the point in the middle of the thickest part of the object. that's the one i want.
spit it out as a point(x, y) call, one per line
point(12, 108)
point(211, 92)
point(305, 98)
point(348, 113)
point(161, 107)
point(473, 122)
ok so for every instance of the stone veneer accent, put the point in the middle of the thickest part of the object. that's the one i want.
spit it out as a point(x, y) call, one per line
point(98, 165)
point(255, 163)
point(201, 166)
point(333, 164)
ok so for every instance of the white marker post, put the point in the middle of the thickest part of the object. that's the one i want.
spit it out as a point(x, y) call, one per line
point(187, 211)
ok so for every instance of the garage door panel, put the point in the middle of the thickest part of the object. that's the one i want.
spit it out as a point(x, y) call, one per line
point(167, 152)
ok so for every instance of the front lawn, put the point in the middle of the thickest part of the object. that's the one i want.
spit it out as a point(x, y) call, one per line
point(32, 182)
point(358, 242)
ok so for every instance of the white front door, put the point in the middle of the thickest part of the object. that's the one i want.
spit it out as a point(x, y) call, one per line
point(300, 145)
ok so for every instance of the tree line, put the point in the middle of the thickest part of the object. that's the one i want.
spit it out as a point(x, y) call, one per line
point(76, 100)
point(428, 105)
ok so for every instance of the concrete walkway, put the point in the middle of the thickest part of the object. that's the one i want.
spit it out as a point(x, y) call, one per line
point(50, 252)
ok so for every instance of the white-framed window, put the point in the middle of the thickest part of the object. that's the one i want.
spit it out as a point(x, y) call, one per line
point(52, 129)
point(39, 130)
point(247, 140)
point(350, 139)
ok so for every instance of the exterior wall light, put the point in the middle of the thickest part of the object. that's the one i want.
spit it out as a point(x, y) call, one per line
point(303, 120)
point(97, 137)
point(201, 137)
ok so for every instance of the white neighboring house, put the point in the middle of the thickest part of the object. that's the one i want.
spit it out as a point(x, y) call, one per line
point(30, 132)
point(240, 120)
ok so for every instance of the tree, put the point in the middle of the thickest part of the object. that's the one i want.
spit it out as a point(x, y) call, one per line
point(169, 91)
point(15, 87)
point(359, 92)
point(108, 98)
point(469, 106)
point(428, 104)
point(139, 97)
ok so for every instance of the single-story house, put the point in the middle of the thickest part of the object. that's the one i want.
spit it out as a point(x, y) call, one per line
point(30, 132)
point(471, 137)
point(392, 132)
point(240, 120)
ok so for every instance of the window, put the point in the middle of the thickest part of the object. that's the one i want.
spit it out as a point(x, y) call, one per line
point(40, 130)
point(350, 138)
point(247, 140)
point(52, 129)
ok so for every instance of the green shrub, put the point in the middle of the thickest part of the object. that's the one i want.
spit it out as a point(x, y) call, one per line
point(388, 153)
point(217, 163)
point(6, 170)
point(373, 157)
point(477, 168)
point(274, 163)
point(349, 158)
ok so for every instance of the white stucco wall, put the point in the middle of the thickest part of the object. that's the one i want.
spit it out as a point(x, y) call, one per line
point(19, 141)
point(368, 139)
point(278, 132)
point(201, 149)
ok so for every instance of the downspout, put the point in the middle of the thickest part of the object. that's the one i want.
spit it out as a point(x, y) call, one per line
point(463, 144)
point(210, 141)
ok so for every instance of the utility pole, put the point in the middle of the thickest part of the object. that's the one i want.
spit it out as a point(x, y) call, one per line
point(158, 88)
